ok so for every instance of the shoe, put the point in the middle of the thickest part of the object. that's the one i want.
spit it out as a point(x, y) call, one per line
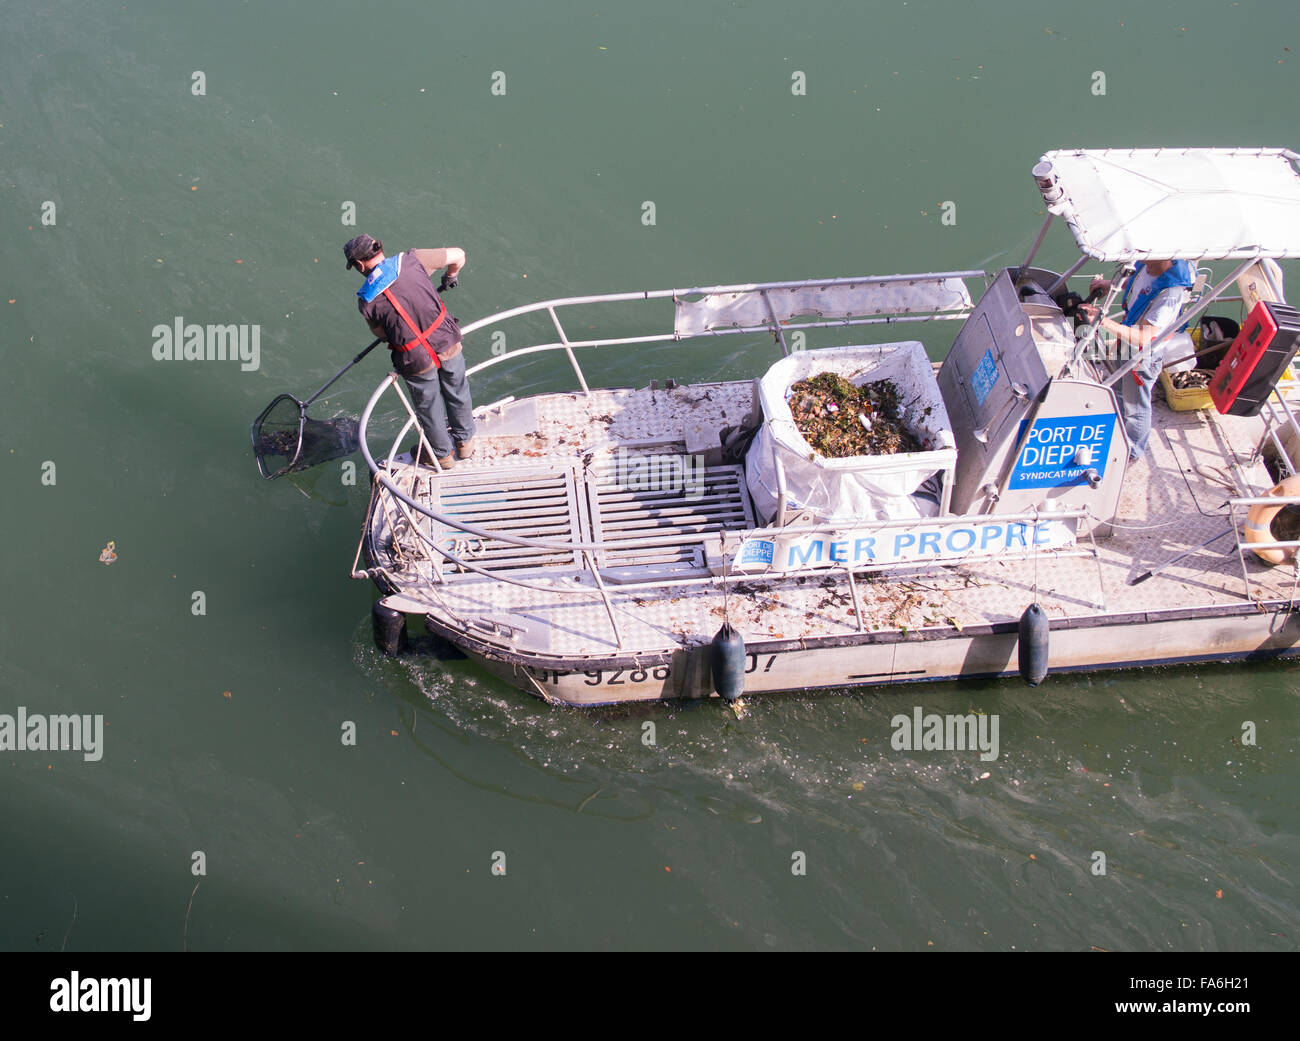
point(423, 457)
point(465, 450)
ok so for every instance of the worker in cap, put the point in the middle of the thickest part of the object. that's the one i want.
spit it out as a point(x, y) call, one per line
point(398, 301)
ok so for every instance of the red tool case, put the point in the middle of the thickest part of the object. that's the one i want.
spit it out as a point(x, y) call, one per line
point(1256, 360)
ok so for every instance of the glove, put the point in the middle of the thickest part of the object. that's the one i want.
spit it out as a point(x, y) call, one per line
point(448, 282)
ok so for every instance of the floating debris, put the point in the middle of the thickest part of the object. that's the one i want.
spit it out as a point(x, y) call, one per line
point(109, 553)
point(278, 442)
point(840, 420)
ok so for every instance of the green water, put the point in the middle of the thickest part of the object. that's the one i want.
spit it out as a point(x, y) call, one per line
point(226, 207)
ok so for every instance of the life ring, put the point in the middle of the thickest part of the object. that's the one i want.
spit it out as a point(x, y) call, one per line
point(1260, 519)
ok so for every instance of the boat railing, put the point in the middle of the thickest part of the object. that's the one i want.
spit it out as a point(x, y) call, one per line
point(945, 293)
point(853, 301)
point(1290, 549)
point(769, 299)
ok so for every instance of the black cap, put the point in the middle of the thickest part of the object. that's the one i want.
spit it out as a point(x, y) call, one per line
point(362, 247)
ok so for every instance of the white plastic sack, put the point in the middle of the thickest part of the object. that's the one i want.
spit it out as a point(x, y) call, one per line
point(859, 488)
point(1179, 346)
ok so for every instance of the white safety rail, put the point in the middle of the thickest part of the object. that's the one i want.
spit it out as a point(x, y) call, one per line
point(883, 300)
point(1291, 548)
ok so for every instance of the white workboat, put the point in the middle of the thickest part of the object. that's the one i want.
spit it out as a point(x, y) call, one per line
point(602, 546)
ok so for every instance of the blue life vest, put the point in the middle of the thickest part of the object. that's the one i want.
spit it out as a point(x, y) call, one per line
point(1179, 273)
point(381, 276)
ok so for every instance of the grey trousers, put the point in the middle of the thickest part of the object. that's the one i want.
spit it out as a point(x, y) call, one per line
point(442, 403)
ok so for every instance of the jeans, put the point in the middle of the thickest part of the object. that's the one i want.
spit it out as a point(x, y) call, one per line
point(1135, 402)
point(442, 404)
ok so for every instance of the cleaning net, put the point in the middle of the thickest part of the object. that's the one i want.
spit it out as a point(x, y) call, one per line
point(286, 440)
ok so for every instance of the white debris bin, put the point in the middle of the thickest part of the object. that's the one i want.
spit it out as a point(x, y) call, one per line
point(858, 488)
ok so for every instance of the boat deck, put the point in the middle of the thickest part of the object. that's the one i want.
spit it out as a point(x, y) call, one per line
point(544, 467)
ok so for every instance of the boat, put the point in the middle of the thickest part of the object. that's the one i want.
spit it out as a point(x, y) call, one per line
point(670, 541)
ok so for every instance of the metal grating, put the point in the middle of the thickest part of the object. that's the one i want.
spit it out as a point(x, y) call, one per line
point(657, 510)
point(654, 514)
point(534, 503)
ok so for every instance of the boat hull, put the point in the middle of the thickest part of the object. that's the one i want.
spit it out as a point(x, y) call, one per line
point(932, 654)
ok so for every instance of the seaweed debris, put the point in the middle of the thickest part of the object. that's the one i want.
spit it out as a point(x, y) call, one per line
point(840, 420)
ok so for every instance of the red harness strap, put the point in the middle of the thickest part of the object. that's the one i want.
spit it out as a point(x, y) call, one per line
point(420, 337)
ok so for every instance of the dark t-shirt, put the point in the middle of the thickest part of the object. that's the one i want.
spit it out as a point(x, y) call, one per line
point(416, 294)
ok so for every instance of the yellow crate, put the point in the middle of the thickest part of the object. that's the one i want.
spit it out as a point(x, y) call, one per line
point(1187, 400)
point(1288, 384)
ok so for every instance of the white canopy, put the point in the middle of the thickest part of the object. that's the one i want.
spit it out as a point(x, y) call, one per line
point(1180, 203)
point(888, 295)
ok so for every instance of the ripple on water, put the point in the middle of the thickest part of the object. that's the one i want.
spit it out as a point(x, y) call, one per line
point(909, 847)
